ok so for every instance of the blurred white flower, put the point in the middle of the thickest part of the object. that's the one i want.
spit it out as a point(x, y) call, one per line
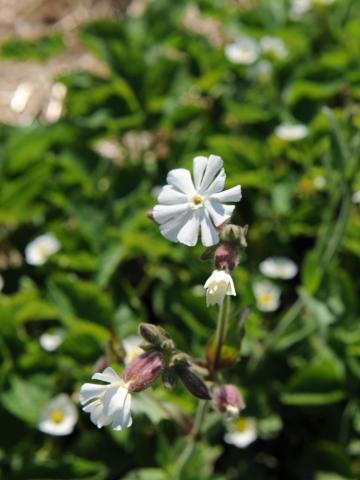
point(107, 404)
point(244, 51)
point(132, 348)
point(218, 285)
point(21, 97)
point(291, 133)
point(262, 70)
point(279, 267)
point(356, 197)
point(242, 433)
point(1, 283)
point(299, 8)
point(59, 416)
point(274, 46)
point(319, 182)
point(39, 250)
point(267, 296)
point(51, 341)
point(186, 207)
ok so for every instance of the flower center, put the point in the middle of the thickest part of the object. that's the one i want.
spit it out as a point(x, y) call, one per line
point(57, 416)
point(265, 297)
point(197, 199)
point(242, 425)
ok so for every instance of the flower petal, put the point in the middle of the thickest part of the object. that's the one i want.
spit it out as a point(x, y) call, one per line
point(231, 195)
point(213, 165)
point(217, 185)
point(108, 375)
point(122, 418)
point(209, 235)
point(217, 211)
point(171, 228)
point(90, 391)
point(199, 166)
point(114, 400)
point(188, 234)
point(164, 213)
point(180, 178)
point(170, 196)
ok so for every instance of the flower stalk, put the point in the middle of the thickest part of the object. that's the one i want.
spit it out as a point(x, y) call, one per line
point(221, 330)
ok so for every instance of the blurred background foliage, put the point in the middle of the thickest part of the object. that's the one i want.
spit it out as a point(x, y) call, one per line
point(163, 92)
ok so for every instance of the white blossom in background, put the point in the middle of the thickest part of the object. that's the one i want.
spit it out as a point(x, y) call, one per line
point(132, 348)
point(21, 97)
point(242, 433)
point(185, 207)
point(39, 250)
point(299, 8)
point(274, 46)
point(356, 197)
point(319, 182)
point(217, 286)
point(59, 416)
point(267, 296)
point(262, 70)
point(109, 403)
point(54, 108)
point(291, 133)
point(244, 51)
point(51, 341)
point(1, 283)
point(279, 267)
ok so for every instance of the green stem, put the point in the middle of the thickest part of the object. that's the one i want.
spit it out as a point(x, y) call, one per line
point(221, 330)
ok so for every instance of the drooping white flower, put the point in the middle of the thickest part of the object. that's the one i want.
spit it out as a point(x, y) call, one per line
point(279, 267)
point(109, 403)
point(1, 283)
point(356, 197)
point(242, 433)
point(267, 296)
point(59, 416)
point(291, 133)
point(39, 250)
point(244, 51)
point(132, 348)
point(186, 206)
point(51, 341)
point(274, 46)
point(218, 285)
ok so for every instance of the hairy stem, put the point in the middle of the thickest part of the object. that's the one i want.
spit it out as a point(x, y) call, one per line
point(221, 330)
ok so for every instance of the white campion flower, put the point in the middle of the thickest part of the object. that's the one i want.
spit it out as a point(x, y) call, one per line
point(132, 348)
point(39, 250)
point(217, 286)
point(107, 404)
point(291, 133)
point(186, 206)
point(274, 46)
point(356, 197)
point(242, 433)
point(267, 296)
point(51, 341)
point(244, 51)
point(59, 416)
point(278, 267)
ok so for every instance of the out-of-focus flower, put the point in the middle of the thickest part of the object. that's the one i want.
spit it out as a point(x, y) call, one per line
point(107, 404)
point(279, 267)
point(1, 283)
point(299, 8)
point(291, 133)
point(132, 348)
point(186, 207)
point(217, 286)
point(274, 46)
point(227, 399)
point(356, 197)
point(51, 341)
point(244, 51)
point(39, 250)
point(262, 70)
point(59, 416)
point(267, 296)
point(319, 182)
point(142, 372)
point(21, 97)
point(242, 433)
point(54, 108)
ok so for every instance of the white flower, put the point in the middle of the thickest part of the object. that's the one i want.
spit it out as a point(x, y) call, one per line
point(185, 207)
point(107, 404)
point(267, 296)
point(356, 197)
point(279, 267)
point(242, 433)
point(1, 283)
point(244, 51)
point(132, 348)
point(39, 250)
point(274, 46)
point(319, 182)
point(299, 8)
point(51, 341)
point(218, 285)
point(291, 133)
point(262, 70)
point(59, 416)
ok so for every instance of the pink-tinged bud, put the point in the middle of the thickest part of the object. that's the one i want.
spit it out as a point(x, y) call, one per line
point(228, 400)
point(192, 382)
point(226, 256)
point(142, 372)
